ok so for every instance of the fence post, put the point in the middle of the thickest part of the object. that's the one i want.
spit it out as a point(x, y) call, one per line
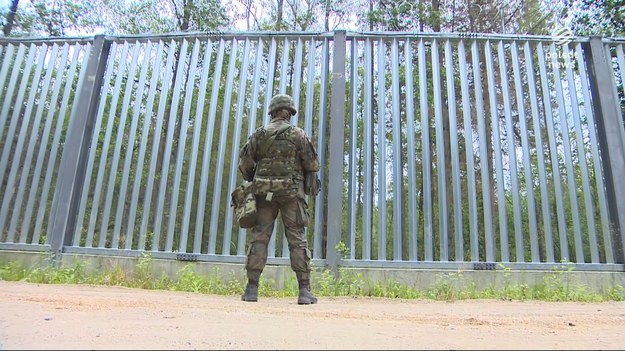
point(75, 152)
point(336, 146)
point(610, 136)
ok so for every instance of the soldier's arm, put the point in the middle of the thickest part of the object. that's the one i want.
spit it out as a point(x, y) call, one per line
point(247, 157)
point(308, 154)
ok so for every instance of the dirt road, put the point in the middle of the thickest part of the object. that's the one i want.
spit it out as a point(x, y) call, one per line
point(62, 317)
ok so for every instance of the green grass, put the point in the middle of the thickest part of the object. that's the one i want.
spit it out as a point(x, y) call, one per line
point(556, 286)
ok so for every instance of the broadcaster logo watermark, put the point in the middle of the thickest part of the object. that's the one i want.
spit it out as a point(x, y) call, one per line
point(559, 57)
point(563, 36)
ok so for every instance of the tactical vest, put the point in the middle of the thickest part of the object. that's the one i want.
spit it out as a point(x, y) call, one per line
point(279, 171)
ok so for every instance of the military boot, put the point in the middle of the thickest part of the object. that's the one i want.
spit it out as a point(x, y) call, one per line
point(305, 295)
point(251, 293)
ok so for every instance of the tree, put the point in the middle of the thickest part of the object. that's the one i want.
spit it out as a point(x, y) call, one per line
point(10, 18)
point(51, 18)
point(163, 16)
point(596, 17)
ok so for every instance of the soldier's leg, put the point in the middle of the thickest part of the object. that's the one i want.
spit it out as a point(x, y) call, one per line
point(257, 247)
point(295, 217)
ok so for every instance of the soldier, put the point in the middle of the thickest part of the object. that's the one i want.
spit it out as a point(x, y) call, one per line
point(275, 158)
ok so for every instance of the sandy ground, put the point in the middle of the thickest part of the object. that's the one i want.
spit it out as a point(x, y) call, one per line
point(63, 317)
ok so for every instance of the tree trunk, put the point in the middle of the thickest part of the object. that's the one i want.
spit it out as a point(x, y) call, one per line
point(279, 15)
point(8, 26)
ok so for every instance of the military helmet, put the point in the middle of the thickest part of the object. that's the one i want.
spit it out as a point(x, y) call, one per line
point(282, 101)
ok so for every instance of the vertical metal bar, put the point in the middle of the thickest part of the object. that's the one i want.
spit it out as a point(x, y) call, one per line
point(197, 132)
point(553, 151)
point(526, 165)
point(308, 125)
point(252, 121)
point(352, 204)
point(368, 153)
point(4, 115)
point(208, 144)
point(79, 136)
point(489, 242)
point(455, 152)
point(321, 147)
point(182, 152)
point(568, 161)
point(16, 153)
point(221, 151)
point(608, 54)
point(17, 109)
point(581, 157)
point(132, 136)
point(540, 154)
point(381, 137)
point(598, 173)
point(147, 206)
point(512, 158)
point(284, 66)
point(297, 78)
point(121, 131)
point(398, 170)
point(499, 178)
point(620, 58)
point(61, 117)
point(428, 240)
point(43, 145)
point(145, 132)
point(336, 154)
point(310, 86)
point(169, 140)
point(610, 130)
point(413, 212)
point(225, 250)
point(271, 64)
point(7, 57)
point(470, 154)
point(33, 141)
point(236, 142)
point(106, 143)
point(258, 72)
point(441, 174)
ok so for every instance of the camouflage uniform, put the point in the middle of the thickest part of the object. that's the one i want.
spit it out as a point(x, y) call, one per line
point(277, 170)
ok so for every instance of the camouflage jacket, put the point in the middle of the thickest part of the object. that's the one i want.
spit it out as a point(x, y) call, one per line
point(291, 153)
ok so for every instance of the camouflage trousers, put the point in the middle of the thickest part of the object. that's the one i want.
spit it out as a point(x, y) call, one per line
point(295, 216)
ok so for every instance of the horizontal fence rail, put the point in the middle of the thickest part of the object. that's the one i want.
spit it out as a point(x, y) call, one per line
point(455, 149)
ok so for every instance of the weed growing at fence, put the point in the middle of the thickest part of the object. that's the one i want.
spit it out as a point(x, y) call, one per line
point(559, 285)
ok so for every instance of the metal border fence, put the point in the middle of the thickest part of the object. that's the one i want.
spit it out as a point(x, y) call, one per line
point(438, 151)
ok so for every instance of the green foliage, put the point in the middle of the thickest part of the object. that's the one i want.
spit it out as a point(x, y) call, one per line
point(55, 18)
point(74, 274)
point(596, 17)
point(342, 249)
point(157, 16)
point(12, 271)
point(560, 285)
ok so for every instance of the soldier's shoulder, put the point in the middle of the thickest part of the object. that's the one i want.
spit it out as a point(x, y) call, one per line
point(259, 132)
point(299, 132)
